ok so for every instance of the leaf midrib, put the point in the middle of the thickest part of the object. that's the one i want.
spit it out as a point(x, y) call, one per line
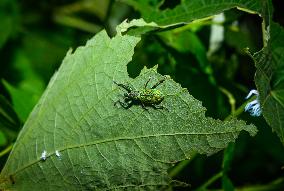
point(121, 139)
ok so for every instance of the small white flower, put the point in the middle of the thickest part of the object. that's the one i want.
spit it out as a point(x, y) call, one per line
point(43, 155)
point(253, 107)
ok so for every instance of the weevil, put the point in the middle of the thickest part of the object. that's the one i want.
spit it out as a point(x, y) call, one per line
point(144, 97)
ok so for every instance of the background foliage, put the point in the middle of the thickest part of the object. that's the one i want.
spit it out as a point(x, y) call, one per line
point(35, 36)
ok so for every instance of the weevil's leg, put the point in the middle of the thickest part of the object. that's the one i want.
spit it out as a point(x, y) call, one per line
point(124, 105)
point(121, 103)
point(126, 87)
point(146, 84)
point(158, 83)
point(127, 100)
point(143, 106)
point(116, 102)
point(159, 107)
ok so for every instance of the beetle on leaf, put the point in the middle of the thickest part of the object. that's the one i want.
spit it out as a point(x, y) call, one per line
point(145, 97)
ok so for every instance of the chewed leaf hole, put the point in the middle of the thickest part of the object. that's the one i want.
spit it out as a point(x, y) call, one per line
point(168, 4)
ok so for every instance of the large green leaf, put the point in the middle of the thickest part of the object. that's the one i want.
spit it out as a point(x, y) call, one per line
point(107, 147)
point(270, 78)
point(189, 10)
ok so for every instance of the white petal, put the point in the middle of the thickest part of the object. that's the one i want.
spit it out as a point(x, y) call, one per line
point(250, 105)
point(252, 92)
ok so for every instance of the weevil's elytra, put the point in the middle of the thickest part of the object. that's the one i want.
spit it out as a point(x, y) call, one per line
point(144, 97)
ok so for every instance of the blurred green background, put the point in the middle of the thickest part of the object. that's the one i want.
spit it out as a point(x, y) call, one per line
point(35, 36)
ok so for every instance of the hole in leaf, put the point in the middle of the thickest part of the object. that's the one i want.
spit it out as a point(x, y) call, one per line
point(169, 4)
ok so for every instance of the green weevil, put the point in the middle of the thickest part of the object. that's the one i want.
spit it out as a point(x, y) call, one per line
point(145, 97)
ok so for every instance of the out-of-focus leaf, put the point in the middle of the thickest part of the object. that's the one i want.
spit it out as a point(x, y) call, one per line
point(3, 139)
point(24, 98)
point(76, 22)
point(244, 34)
point(8, 18)
point(228, 157)
point(92, 144)
point(188, 42)
point(45, 50)
point(29, 90)
point(150, 53)
point(8, 117)
point(270, 78)
point(96, 7)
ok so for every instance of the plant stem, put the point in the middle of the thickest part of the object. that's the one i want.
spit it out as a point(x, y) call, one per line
point(6, 150)
point(72, 21)
point(231, 98)
point(210, 181)
point(180, 166)
point(239, 110)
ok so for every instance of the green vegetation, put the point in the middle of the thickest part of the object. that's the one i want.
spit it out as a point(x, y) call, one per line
point(90, 118)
